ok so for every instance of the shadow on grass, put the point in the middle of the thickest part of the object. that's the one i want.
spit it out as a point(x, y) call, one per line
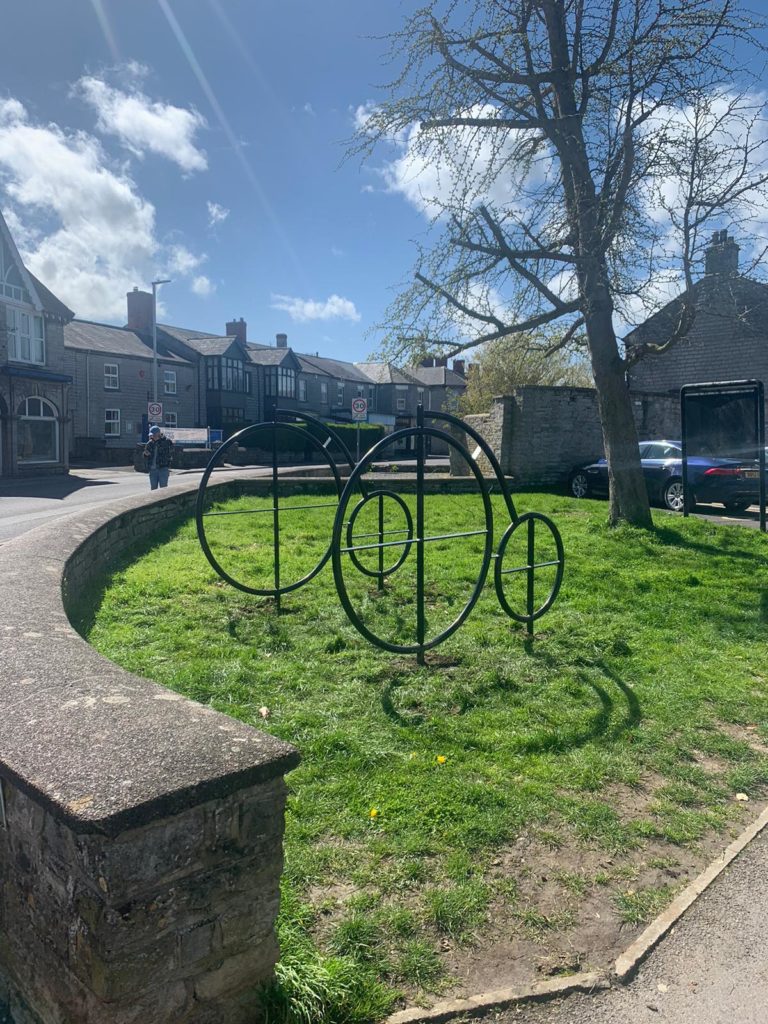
point(671, 537)
point(617, 712)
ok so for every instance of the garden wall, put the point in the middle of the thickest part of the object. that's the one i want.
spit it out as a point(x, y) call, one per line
point(140, 833)
point(539, 434)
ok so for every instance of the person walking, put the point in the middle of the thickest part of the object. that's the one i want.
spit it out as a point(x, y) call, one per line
point(159, 451)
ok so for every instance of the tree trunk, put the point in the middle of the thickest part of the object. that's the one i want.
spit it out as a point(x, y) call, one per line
point(628, 492)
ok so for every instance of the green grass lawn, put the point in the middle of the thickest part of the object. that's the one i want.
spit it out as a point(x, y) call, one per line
point(415, 780)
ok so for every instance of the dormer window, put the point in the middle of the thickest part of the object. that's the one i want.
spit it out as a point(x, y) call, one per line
point(26, 336)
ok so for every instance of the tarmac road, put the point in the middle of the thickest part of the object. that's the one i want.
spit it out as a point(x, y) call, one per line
point(27, 503)
point(711, 969)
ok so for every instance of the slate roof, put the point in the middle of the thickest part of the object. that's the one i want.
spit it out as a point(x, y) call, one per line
point(268, 355)
point(87, 336)
point(202, 342)
point(434, 376)
point(385, 373)
point(332, 368)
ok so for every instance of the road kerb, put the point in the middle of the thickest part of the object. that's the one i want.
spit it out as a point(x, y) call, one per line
point(629, 961)
point(473, 1006)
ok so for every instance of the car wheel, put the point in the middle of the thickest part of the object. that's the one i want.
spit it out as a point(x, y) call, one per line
point(673, 496)
point(737, 506)
point(580, 484)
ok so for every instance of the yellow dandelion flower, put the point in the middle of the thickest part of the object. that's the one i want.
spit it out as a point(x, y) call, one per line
point(441, 759)
point(374, 813)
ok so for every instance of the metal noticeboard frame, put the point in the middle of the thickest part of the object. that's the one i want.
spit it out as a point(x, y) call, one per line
point(737, 389)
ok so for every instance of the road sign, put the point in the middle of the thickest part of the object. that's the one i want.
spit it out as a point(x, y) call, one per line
point(155, 410)
point(359, 409)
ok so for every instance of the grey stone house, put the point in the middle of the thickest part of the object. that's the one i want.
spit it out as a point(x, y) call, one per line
point(113, 373)
point(34, 382)
point(729, 336)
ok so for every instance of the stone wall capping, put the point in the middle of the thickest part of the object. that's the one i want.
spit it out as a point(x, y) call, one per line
point(100, 748)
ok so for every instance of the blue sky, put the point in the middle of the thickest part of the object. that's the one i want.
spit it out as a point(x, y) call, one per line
point(202, 140)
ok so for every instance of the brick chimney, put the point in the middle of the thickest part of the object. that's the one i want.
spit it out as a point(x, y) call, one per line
point(441, 361)
point(140, 311)
point(237, 329)
point(427, 362)
point(282, 340)
point(722, 255)
point(458, 367)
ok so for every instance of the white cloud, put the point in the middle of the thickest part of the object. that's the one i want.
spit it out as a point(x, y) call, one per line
point(203, 286)
point(309, 109)
point(81, 224)
point(430, 170)
point(145, 125)
point(181, 261)
point(302, 310)
point(216, 214)
point(11, 111)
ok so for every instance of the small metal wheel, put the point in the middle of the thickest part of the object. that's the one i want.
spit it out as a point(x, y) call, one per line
point(526, 562)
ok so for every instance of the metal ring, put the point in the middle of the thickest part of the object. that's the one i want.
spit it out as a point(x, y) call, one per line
point(532, 613)
point(382, 570)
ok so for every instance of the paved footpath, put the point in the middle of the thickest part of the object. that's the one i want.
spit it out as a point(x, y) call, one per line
point(711, 969)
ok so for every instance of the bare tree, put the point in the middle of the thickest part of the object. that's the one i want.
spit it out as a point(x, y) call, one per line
point(505, 364)
point(578, 151)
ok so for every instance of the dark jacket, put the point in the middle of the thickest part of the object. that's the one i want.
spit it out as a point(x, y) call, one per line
point(164, 451)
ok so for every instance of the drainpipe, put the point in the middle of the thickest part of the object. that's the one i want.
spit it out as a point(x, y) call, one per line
point(87, 395)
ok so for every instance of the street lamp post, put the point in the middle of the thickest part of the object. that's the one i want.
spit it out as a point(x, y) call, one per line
point(163, 280)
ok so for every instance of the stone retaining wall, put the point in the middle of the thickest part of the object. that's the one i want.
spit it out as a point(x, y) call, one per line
point(140, 833)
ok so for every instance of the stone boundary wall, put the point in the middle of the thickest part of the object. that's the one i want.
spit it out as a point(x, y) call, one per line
point(140, 833)
point(540, 434)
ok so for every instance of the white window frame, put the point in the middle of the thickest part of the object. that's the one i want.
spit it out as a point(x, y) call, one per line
point(401, 392)
point(302, 390)
point(169, 382)
point(112, 421)
point(339, 392)
point(111, 373)
point(171, 419)
point(324, 392)
point(21, 327)
point(53, 417)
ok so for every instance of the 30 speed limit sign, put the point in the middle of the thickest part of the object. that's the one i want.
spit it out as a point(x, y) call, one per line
point(359, 408)
point(155, 410)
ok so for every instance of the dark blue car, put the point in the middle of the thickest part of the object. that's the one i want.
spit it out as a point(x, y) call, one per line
point(733, 483)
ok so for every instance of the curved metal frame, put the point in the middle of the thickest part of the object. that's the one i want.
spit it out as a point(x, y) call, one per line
point(286, 419)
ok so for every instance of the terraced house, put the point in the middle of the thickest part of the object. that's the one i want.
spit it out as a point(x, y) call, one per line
point(35, 385)
point(75, 388)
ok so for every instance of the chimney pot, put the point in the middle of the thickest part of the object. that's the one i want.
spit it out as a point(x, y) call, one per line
point(238, 329)
point(722, 255)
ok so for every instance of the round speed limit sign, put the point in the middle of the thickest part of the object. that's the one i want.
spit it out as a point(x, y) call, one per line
point(359, 408)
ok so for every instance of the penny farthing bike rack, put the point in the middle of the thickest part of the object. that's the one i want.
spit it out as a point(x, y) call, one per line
point(392, 547)
point(530, 526)
point(267, 432)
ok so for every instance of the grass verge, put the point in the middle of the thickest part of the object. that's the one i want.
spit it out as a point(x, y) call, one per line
point(629, 722)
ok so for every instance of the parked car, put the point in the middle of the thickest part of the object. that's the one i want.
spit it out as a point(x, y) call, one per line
point(731, 482)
